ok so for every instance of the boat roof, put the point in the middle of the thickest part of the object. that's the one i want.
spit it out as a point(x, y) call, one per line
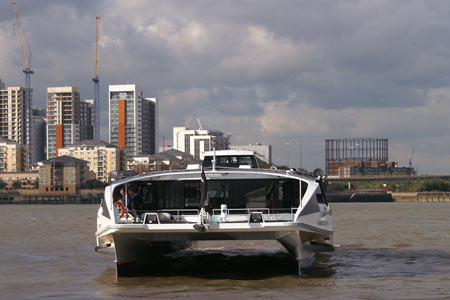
point(218, 173)
point(230, 153)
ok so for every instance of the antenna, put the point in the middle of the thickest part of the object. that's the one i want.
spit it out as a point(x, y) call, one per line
point(411, 158)
point(96, 81)
point(199, 124)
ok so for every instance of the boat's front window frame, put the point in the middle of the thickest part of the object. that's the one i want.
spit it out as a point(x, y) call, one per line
point(185, 194)
point(231, 161)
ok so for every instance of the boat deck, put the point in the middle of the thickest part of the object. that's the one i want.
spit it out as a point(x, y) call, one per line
point(193, 216)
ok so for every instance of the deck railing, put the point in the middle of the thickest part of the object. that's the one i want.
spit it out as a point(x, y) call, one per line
point(232, 215)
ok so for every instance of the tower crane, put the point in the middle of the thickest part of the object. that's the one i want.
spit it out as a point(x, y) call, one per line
point(28, 71)
point(96, 81)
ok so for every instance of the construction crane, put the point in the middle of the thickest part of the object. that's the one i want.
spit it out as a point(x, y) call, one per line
point(96, 88)
point(28, 72)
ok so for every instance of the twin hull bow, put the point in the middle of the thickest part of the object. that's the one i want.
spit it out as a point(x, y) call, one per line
point(166, 213)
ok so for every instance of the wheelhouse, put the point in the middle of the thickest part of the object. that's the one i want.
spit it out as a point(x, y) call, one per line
point(231, 159)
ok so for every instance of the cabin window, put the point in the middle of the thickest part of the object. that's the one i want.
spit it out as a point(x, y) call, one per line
point(192, 194)
point(256, 193)
point(170, 194)
point(250, 193)
point(231, 161)
point(148, 194)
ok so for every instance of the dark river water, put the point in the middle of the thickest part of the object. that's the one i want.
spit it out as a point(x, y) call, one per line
point(385, 251)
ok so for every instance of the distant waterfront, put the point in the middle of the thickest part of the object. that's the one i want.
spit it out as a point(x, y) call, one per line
point(86, 197)
point(95, 198)
point(386, 196)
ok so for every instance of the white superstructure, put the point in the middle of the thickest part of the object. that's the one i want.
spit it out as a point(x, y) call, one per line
point(263, 152)
point(169, 210)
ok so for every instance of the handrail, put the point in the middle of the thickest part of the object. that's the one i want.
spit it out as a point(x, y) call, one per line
point(148, 218)
point(194, 211)
point(216, 212)
point(265, 210)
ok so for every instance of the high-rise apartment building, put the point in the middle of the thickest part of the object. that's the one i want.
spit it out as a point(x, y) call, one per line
point(13, 156)
point(87, 119)
point(39, 128)
point(13, 115)
point(197, 142)
point(133, 120)
point(150, 125)
point(64, 125)
point(103, 157)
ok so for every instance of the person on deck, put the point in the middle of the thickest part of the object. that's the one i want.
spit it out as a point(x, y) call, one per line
point(133, 195)
point(120, 204)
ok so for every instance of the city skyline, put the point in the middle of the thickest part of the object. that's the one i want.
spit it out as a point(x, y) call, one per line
point(295, 76)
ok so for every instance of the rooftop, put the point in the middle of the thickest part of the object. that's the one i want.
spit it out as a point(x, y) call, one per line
point(92, 143)
point(64, 159)
point(7, 141)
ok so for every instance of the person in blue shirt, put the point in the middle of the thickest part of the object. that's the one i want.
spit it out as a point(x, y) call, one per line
point(132, 198)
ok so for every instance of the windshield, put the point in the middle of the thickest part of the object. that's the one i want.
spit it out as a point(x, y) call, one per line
point(250, 193)
point(232, 161)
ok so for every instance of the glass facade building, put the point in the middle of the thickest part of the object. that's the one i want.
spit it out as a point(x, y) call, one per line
point(64, 122)
point(133, 120)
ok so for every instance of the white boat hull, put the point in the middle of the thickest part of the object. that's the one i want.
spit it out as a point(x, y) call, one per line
point(304, 228)
point(141, 244)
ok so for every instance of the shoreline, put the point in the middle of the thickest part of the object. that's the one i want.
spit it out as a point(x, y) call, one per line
point(383, 196)
point(14, 198)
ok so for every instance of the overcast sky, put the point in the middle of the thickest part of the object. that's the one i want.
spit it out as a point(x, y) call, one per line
point(264, 71)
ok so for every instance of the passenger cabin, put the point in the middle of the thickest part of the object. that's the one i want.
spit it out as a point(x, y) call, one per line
point(235, 183)
point(243, 192)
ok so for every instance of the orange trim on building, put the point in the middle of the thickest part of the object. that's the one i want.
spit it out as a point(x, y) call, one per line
point(121, 142)
point(59, 137)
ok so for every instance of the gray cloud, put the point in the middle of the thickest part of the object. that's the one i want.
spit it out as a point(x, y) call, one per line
point(267, 71)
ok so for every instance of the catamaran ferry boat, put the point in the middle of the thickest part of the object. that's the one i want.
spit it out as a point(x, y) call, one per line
point(228, 198)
